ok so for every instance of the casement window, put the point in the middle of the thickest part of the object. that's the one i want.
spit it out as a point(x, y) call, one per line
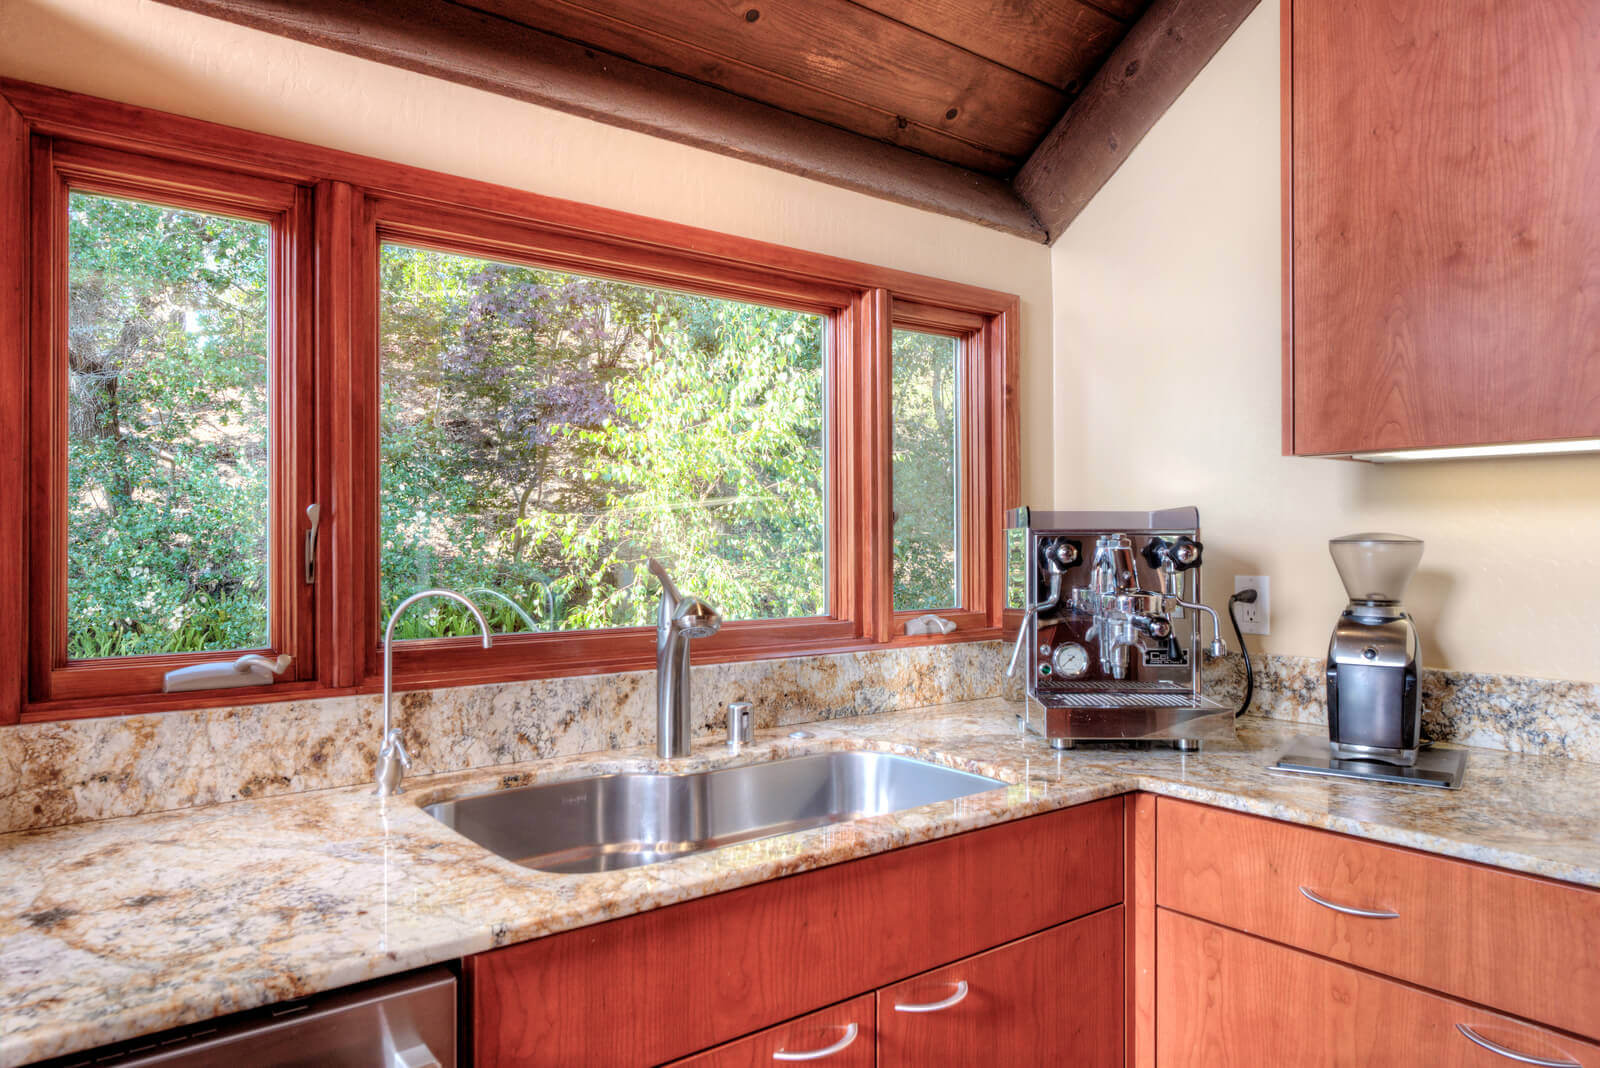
point(471, 387)
point(946, 396)
point(166, 410)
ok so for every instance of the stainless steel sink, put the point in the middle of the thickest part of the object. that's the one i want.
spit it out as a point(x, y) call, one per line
point(622, 821)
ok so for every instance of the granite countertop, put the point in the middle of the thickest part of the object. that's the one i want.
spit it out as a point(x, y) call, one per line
point(127, 926)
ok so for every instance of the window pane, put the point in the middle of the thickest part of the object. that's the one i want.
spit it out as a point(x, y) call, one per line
point(167, 342)
point(926, 416)
point(543, 434)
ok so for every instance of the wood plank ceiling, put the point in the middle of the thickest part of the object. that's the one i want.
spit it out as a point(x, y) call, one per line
point(1009, 113)
point(976, 83)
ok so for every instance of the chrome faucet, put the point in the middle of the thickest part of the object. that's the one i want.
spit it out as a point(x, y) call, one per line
point(678, 619)
point(393, 760)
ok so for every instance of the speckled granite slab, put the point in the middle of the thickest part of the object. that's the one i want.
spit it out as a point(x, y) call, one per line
point(1552, 717)
point(89, 769)
point(125, 927)
point(78, 770)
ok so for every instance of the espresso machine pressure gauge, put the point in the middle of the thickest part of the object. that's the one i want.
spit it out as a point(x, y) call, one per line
point(1070, 660)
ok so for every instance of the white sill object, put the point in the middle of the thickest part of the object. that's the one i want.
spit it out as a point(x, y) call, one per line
point(930, 624)
point(252, 669)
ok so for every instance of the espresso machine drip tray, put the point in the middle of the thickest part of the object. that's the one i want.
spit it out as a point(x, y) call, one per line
point(1181, 719)
point(1310, 755)
point(1129, 700)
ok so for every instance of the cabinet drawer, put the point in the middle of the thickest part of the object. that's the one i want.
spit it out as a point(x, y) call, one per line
point(1054, 998)
point(843, 1036)
point(1225, 998)
point(1514, 942)
point(665, 984)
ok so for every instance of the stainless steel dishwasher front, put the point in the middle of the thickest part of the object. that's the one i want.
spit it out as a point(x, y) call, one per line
point(405, 1022)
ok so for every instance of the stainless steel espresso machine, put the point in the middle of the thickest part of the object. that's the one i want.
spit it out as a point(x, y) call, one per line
point(1374, 667)
point(1111, 635)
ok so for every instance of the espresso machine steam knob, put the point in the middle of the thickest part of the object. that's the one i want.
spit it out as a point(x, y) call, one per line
point(1180, 554)
point(1063, 553)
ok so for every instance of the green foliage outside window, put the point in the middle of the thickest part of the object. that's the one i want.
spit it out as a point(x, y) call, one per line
point(166, 430)
point(926, 384)
point(542, 434)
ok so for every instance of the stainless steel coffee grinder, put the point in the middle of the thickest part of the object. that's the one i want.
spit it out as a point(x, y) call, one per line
point(1374, 675)
point(1374, 695)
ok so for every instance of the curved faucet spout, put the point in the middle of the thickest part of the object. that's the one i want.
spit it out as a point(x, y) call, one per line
point(393, 760)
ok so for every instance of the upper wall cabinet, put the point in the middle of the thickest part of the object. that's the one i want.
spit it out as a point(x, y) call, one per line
point(1442, 223)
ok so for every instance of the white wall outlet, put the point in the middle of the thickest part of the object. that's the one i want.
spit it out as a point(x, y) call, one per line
point(1254, 618)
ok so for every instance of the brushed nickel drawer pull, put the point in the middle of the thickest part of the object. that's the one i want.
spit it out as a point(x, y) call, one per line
point(1366, 914)
point(937, 1006)
point(817, 1054)
point(1511, 1054)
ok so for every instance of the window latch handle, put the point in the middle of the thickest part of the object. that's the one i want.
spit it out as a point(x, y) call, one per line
point(314, 517)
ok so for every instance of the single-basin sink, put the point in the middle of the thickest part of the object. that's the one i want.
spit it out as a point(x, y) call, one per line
point(609, 822)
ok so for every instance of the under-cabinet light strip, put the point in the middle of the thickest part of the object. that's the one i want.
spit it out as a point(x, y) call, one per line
point(1472, 452)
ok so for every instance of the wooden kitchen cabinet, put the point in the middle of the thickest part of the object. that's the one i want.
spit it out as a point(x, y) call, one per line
point(1055, 997)
point(663, 985)
point(1441, 234)
point(1227, 999)
point(1517, 943)
point(1277, 943)
point(1052, 998)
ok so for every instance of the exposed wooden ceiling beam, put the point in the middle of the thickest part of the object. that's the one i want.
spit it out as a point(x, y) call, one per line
point(1055, 41)
point(1138, 82)
point(831, 60)
point(458, 44)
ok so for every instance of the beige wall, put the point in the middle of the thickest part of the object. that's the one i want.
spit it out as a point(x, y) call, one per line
point(1167, 316)
point(157, 56)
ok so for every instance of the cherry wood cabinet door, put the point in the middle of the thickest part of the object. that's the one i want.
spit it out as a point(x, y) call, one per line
point(1442, 171)
point(665, 984)
point(841, 1036)
point(1055, 998)
point(1515, 942)
point(1226, 999)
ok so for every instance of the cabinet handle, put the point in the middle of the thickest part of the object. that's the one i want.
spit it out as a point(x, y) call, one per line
point(817, 1054)
point(1366, 914)
point(937, 1006)
point(1511, 1054)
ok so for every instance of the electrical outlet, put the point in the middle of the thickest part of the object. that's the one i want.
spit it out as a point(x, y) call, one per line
point(1254, 618)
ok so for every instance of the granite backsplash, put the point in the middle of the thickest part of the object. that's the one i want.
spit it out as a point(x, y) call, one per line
point(74, 771)
point(1552, 717)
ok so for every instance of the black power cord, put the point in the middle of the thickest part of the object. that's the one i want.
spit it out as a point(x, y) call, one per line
point(1247, 597)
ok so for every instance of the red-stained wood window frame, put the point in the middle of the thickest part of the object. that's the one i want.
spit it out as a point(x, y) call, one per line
point(335, 209)
point(446, 661)
point(61, 167)
point(980, 472)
